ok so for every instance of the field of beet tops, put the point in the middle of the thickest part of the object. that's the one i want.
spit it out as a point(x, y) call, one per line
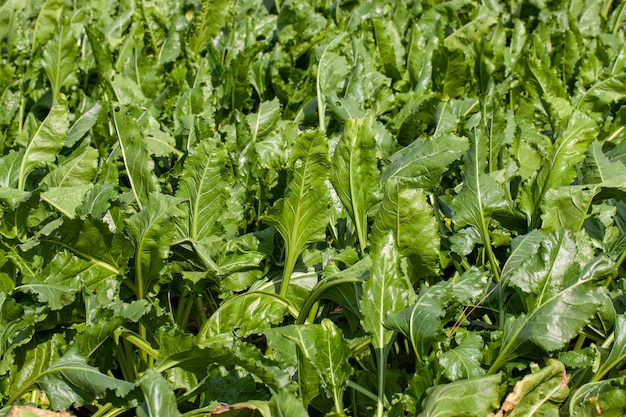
point(289, 208)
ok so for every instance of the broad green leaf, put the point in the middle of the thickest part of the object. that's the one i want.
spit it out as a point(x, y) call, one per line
point(354, 173)
point(66, 199)
point(97, 201)
point(207, 22)
point(62, 278)
point(82, 125)
point(558, 313)
point(601, 171)
point(264, 120)
point(46, 142)
point(566, 207)
point(77, 169)
point(227, 350)
point(463, 361)
point(385, 292)
point(46, 23)
point(331, 69)
point(470, 397)
point(152, 230)
point(481, 196)
point(451, 75)
point(10, 168)
point(603, 93)
point(406, 214)
point(92, 240)
point(539, 393)
point(205, 183)
point(424, 161)
point(324, 345)
point(159, 397)
point(137, 160)
point(60, 59)
point(71, 381)
point(248, 313)
point(285, 404)
point(301, 216)
point(608, 395)
point(389, 46)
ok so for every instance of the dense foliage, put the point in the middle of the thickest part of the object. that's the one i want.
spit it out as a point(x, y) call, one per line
point(313, 207)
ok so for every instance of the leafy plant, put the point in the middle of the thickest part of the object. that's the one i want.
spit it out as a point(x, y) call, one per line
point(312, 208)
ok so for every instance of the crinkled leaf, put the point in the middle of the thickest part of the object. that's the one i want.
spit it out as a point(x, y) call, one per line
point(248, 313)
point(386, 291)
point(137, 160)
point(463, 361)
point(424, 161)
point(566, 207)
point(406, 213)
point(207, 22)
point(389, 46)
point(301, 216)
point(354, 173)
point(555, 317)
point(475, 397)
point(227, 350)
point(601, 171)
point(264, 120)
point(205, 184)
point(538, 393)
point(152, 230)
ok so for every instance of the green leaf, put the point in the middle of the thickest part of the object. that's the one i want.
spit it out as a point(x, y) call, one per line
point(424, 161)
point(538, 393)
point(63, 279)
point(46, 22)
point(324, 346)
point(264, 120)
point(406, 213)
point(608, 395)
point(205, 183)
point(301, 216)
point(603, 93)
point(354, 173)
point(463, 362)
point(152, 230)
point(207, 22)
point(559, 300)
point(137, 160)
point(248, 313)
point(451, 75)
point(66, 199)
point(385, 292)
point(285, 404)
point(601, 171)
point(46, 142)
point(159, 397)
point(77, 169)
point(389, 46)
point(480, 197)
point(618, 349)
point(60, 59)
point(470, 397)
point(566, 207)
point(71, 381)
point(331, 69)
point(226, 350)
point(82, 125)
